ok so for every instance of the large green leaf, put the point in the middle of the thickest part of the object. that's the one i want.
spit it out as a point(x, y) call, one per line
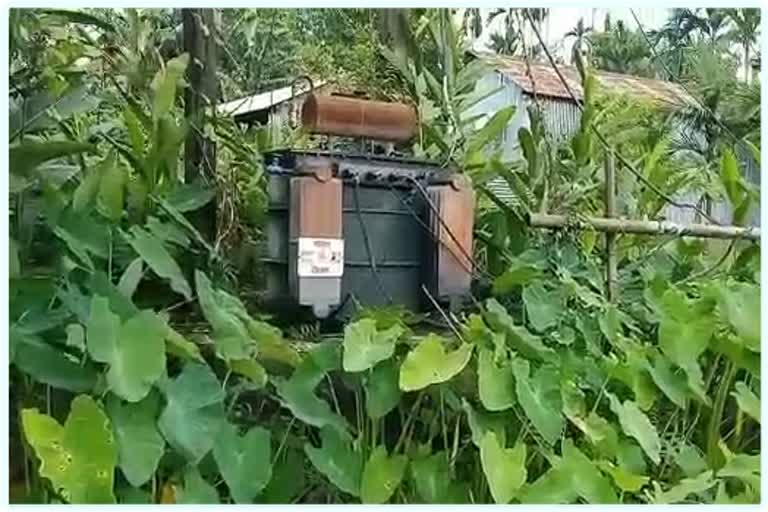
point(196, 490)
point(740, 307)
point(481, 422)
point(365, 345)
point(134, 351)
point(337, 460)
point(553, 487)
point(495, 382)
point(382, 475)
point(671, 382)
point(685, 488)
point(244, 462)
point(25, 157)
point(194, 411)
point(586, 478)
point(86, 191)
point(298, 393)
point(517, 336)
point(190, 197)
point(111, 193)
point(624, 480)
point(543, 306)
point(78, 458)
point(492, 130)
point(598, 430)
point(747, 401)
point(684, 334)
point(636, 424)
point(432, 478)
point(288, 479)
point(540, 398)
point(139, 443)
point(165, 82)
point(504, 468)
point(227, 316)
point(152, 251)
point(382, 393)
point(49, 365)
point(131, 277)
point(429, 363)
point(519, 274)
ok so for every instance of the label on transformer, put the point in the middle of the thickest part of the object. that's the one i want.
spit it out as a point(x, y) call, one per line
point(321, 257)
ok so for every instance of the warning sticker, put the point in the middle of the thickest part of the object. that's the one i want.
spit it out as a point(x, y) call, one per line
point(321, 257)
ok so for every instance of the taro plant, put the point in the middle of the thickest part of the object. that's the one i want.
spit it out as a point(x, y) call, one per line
point(138, 378)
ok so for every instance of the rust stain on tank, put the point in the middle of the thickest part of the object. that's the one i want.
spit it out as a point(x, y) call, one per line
point(453, 231)
point(352, 117)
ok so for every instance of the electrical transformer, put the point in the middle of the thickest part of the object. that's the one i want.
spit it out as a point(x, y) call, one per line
point(346, 230)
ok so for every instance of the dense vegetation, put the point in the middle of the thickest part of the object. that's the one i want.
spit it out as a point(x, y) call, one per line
point(143, 371)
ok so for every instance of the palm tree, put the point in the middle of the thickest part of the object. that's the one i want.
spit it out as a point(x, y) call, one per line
point(513, 22)
point(622, 51)
point(581, 33)
point(472, 22)
point(746, 25)
point(504, 44)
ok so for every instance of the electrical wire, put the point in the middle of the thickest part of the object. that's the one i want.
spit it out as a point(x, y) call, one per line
point(471, 269)
point(367, 241)
point(626, 163)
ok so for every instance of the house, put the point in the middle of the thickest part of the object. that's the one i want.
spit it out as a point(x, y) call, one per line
point(277, 108)
point(561, 115)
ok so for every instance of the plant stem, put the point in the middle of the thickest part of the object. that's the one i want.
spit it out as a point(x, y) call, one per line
point(408, 421)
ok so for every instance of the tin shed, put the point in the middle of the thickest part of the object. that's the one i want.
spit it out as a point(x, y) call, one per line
point(562, 115)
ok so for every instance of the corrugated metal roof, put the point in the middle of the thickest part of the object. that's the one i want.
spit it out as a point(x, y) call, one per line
point(262, 101)
point(549, 84)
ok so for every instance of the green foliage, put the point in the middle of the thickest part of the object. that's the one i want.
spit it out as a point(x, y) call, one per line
point(382, 393)
point(364, 345)
point(133, 350)
point(337, 460)
point(194, 411)
point(503, 467)
point(381, 476)
point(79, 457)
point(429, 363)
point(569, 399)
point(244, 461)
point(139, 443)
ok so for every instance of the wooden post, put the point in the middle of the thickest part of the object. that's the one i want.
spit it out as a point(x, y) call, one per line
point(610, 238)
point(200, 26)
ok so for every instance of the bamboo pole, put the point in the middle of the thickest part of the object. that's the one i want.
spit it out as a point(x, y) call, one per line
point(643, 227)
point(610, 237)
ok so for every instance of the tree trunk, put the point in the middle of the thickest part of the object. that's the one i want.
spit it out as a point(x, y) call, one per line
point(747, 64)
point(200, 95)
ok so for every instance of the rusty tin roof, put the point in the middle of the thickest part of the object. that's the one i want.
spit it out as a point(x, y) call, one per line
point(549, 84)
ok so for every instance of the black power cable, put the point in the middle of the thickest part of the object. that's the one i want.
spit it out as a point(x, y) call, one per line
point(371, 257)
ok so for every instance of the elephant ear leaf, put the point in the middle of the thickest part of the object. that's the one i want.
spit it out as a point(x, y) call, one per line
point(194, 411)
point(337, 460)
point(244, 461)
point(429, 363)
point(140, 445)
point(381, 476)
point(134, 350)
point(364, 345)
point(504, 468)
point(636, 424)
point(540, 398)
point(495, 383)
point(79, 457)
